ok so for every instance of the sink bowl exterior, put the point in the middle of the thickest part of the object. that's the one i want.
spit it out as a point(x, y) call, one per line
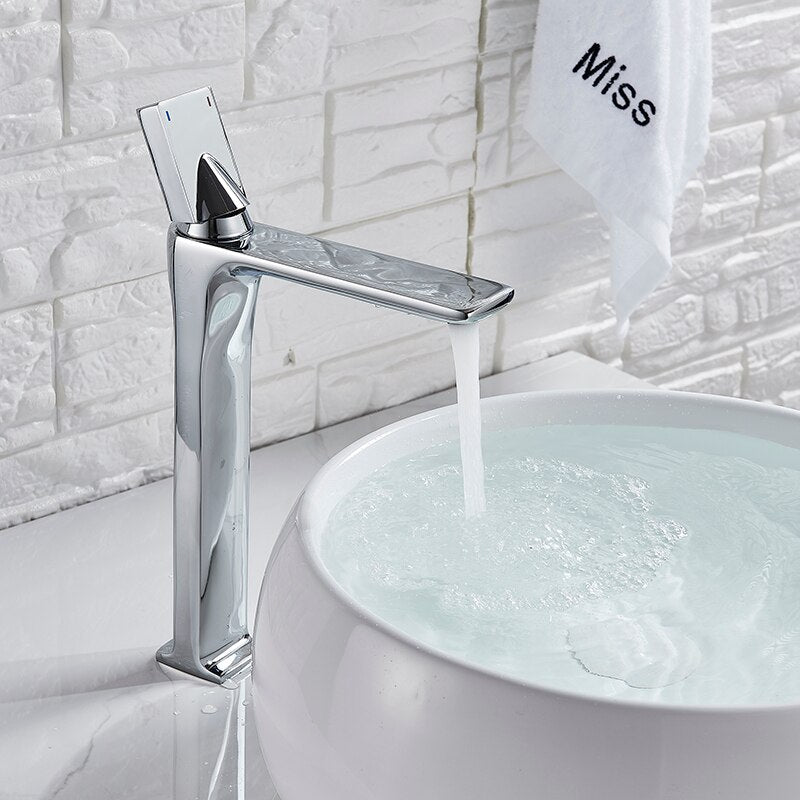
point(348, 708)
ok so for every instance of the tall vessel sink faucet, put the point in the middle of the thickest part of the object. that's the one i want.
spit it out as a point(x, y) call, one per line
point(216, 257)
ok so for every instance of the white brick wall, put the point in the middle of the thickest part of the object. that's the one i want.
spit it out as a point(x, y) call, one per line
point(393, 124)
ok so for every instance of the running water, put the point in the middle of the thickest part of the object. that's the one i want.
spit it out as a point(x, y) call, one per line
point(647, 564)
point(465, 341)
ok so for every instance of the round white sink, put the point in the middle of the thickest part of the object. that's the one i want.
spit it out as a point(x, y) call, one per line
point(350, 708)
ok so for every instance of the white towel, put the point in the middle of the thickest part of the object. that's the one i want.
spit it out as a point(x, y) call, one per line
point(620, 100)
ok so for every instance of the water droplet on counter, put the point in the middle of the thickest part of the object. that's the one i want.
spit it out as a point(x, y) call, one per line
point(209, 709)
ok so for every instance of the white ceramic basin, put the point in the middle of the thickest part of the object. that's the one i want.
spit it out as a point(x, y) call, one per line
point(349, 708)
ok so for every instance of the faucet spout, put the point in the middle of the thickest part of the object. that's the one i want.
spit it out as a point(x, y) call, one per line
point(216, 259)
point(409, 286)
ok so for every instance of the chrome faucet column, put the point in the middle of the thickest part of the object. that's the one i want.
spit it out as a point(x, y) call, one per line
point(216, 257)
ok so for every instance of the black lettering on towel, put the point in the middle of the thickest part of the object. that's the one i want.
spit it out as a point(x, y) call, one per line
point(597, 69)
point(587, 62)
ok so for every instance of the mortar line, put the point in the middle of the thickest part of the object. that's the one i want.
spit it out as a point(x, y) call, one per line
point(763, 165)
point(327, 159)
point(478, 100)
point(62, 63)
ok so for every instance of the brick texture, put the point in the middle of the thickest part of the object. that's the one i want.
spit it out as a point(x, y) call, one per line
point(392, 124)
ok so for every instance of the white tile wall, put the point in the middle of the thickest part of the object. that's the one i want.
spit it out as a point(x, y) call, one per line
point(392, 124)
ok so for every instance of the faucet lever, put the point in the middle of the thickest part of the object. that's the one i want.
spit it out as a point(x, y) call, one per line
point(195, 166)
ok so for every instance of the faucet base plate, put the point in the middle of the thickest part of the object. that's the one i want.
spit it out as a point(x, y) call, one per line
point(231, 663)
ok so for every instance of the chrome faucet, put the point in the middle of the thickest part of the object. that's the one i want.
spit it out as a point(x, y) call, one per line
point(216, 257)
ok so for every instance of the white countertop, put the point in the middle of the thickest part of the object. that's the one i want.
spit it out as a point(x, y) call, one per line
point(85, 600)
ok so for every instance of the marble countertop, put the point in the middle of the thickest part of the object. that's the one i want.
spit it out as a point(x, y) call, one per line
point(85, 600)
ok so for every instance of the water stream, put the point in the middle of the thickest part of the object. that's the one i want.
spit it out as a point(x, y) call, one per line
point(465, 341)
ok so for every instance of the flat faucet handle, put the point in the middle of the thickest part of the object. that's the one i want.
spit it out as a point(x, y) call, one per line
point(193, 160)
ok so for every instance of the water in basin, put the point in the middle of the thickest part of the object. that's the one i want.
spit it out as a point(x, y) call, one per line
point(639, 563)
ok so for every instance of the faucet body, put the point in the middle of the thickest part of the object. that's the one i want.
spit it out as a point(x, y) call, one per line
point(216, 257)
point(213, 313)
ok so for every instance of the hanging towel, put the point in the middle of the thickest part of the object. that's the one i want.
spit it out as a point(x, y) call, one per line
point(620, 100)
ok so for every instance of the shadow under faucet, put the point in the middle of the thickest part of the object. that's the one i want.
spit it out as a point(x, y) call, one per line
point(216, 258)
